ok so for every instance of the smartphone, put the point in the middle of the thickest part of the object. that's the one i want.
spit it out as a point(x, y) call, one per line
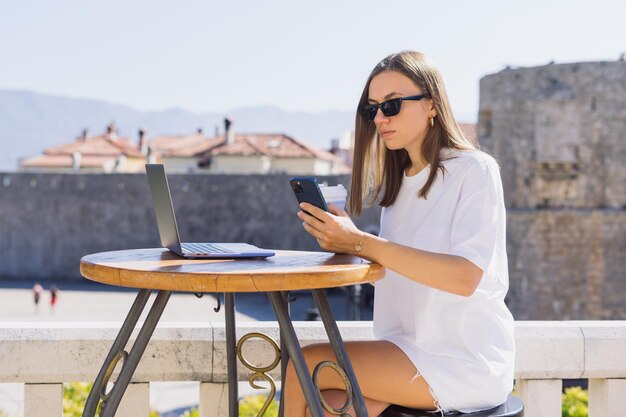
point(307, 190)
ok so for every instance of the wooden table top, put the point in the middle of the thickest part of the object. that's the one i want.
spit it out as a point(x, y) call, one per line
point(160, 269)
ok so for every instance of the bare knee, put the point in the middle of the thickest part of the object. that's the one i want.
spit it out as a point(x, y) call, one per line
point(313, 354)
point(335, 398)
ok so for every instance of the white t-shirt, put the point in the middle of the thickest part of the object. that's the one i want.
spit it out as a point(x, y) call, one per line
point(464, 347)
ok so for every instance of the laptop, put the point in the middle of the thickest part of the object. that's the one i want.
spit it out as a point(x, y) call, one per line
point(168, 229)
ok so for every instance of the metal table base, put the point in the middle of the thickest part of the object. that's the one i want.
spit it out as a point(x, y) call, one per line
point(111, 400)
point(290, 348)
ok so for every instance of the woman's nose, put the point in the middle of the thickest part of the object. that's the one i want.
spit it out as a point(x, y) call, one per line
point(380, 118)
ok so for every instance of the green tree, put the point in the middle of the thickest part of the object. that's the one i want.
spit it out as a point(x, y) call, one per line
point(75, 396)
point(250, 406)
point(575, 402)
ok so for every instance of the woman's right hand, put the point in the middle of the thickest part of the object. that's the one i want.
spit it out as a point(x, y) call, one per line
point(334, 231)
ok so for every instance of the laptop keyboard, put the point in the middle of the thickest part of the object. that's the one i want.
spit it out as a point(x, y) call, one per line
point(203, 248)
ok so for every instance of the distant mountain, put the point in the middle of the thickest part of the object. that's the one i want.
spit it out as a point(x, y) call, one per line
point(31, 122)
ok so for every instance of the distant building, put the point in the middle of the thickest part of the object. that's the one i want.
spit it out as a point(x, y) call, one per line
point(270, 154)
point(344, 147)
point(104, 153)
point(243, 154)
point(181, 153)
point(227, 154)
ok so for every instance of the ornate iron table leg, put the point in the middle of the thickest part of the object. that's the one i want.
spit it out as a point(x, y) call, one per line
point(295, 353)
point(111, 400)
point(260, 372)
point(340, 351)
point(231, 355)
point(284, 358)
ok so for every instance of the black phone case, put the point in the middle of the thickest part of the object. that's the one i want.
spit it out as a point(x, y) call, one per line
point(307, 190)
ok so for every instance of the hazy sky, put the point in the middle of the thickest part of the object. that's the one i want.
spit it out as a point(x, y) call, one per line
point(297, 55)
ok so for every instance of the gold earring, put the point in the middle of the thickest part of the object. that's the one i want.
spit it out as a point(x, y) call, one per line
point(432, 121)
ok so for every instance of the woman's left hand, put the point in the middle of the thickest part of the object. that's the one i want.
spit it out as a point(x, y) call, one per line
point(334, 231)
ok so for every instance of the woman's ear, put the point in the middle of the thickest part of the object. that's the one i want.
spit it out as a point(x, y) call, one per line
point(432, 111)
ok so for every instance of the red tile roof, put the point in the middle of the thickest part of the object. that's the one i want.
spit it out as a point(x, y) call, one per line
point(273, 145)
point(182, 145)
point(103, 145)
point(99, 149)
point(94, 151)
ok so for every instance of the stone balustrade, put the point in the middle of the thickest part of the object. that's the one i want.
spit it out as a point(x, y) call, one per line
point(45, 355)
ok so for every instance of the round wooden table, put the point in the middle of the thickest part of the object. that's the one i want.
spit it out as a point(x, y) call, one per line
point(160, 269)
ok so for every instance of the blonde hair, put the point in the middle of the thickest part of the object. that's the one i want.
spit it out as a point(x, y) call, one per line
point(376, 168)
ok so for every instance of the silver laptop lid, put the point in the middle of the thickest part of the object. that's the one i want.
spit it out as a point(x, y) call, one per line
point(163, 208)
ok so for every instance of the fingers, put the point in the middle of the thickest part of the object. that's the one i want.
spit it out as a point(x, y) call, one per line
point(310, 224)
point(310, 220)
point(314, 211)
point(319, 236)
point(318, 223)
point(323, 240)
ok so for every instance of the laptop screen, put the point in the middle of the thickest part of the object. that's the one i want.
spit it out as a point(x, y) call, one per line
point(163, 207)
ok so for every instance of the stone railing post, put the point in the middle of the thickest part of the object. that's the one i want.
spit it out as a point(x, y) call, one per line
point(136, 400)
point(43, 400)
point(605, 344)
point(541, 397)
point(213, 399)
point(607, 397)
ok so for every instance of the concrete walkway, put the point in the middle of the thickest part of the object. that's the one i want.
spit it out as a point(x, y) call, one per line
point(83, 303)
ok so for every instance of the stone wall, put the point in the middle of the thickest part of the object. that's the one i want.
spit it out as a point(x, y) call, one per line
point(564, 264)
point(49, 221)
point(559, 133)
point(567, 264)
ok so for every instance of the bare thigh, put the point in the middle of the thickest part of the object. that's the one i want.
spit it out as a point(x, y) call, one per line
point(384, 372)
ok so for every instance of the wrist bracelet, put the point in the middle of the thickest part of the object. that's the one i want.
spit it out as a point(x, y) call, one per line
point(359, 246)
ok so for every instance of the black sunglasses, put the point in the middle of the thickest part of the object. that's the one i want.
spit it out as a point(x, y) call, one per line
point(389, 107)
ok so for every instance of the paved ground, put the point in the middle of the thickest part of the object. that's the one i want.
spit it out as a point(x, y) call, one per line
point(96, 302)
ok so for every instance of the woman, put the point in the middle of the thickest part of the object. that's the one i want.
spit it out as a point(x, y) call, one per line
point(444, 335)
